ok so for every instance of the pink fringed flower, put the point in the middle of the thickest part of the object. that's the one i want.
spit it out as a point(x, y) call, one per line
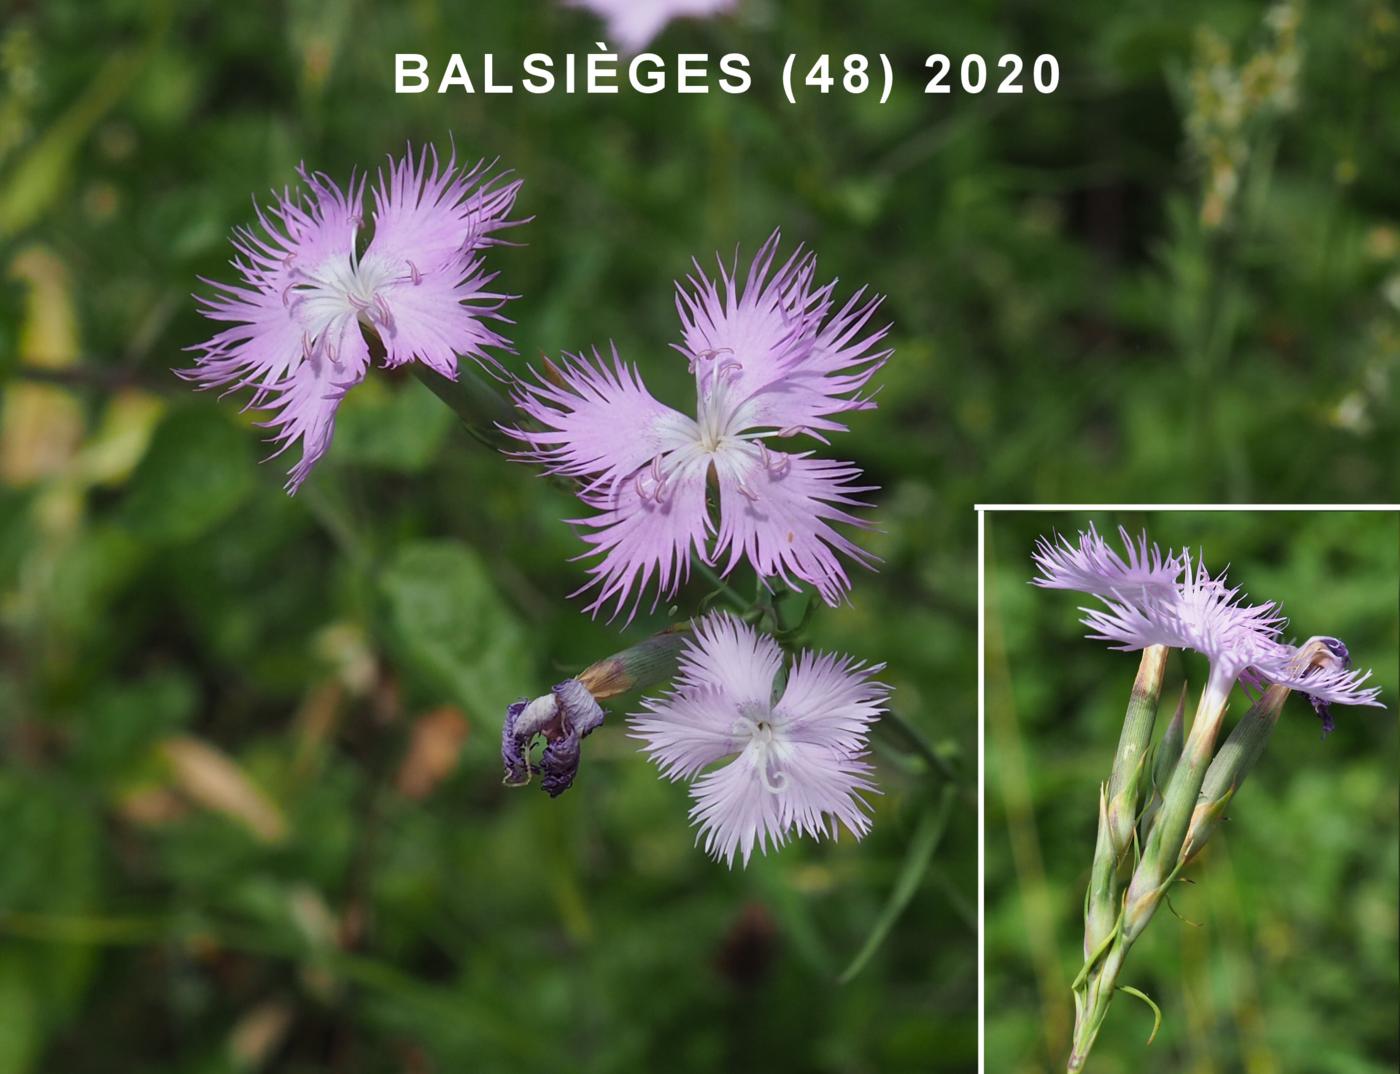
point(1092, 565)
point(772, 359)
point(633, 23)
point(299, 316)
point(1149, 598)
point(794, 759)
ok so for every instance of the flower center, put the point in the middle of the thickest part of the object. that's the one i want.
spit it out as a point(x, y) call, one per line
point(764, 745)
point(716, 408)
point(317, 298)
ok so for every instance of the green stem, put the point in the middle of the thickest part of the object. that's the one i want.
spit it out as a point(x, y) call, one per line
point(1091, 1009)
point(1164, 841)
point(922, 848)
point(735, 598)
point(481, 408)
point(913, 738)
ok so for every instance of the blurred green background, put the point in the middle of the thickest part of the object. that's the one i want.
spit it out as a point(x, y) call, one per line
point(1291, 961)
point(250, 783)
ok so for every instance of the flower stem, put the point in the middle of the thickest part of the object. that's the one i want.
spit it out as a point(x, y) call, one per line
point(1164, 842)
point(740, 603)
point(914, 739)
point(481, 408)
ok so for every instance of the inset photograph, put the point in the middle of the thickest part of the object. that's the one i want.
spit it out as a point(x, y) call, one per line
point(1192, 819)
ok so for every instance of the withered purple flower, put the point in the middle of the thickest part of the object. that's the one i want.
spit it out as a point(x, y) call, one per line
point(564, 717)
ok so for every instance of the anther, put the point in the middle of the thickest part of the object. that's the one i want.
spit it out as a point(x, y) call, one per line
point(385, 317)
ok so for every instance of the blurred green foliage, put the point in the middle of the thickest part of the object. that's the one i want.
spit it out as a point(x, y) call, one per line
point(1285, 955)
point(222, 850)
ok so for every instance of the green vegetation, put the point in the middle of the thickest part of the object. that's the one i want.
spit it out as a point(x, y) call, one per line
point(1282, 952)
point(231, 839)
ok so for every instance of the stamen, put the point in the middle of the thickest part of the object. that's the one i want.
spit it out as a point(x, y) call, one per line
point(747, 492)
point(386, 318)
point(775, 463)
point(705, 356)
point(414, 274)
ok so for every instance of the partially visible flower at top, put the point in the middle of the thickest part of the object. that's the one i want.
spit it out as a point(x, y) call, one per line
point(1143, 605)
point(794, 758)
point(633, 23)
point(1091, 565)
point(299, 316)
point(773, 358)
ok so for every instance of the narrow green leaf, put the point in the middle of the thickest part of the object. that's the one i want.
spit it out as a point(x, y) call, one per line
point(916, 862)
point(1156, 1010)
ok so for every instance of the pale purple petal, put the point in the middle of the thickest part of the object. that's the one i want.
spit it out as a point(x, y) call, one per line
point(641, 534)
point(778, 510)
point(833, 699)
point(1093, 566)
point(728, 655)
point(788, 361)
point(305, 403)
point(596, 420)
point(1327, 682)
point(736, 808)
point(753, 334)
point(823, 786)
point(829, 380)
point(687, 731)
point(438, 315)
point(427, 215)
